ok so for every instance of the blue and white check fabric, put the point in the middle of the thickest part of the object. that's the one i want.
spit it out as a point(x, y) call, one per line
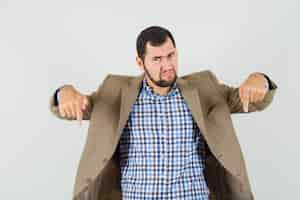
point(161, 149)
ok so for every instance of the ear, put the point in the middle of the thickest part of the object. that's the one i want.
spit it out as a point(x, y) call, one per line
point(139, 62)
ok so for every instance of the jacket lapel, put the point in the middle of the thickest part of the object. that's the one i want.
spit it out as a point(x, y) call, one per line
point(192, 99)
point(129, 93)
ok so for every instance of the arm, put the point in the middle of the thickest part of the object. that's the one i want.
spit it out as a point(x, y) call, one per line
point(232, 97)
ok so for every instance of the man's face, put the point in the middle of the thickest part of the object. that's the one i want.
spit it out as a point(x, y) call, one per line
point(160, 63)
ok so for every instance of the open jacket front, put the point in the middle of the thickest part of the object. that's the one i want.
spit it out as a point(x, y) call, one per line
point(211, 104)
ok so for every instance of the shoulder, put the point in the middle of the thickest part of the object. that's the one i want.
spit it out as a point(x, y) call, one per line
point(119, 78)
point(204, 75)
point(110, 87)
point(113, 83)
point(205, 80)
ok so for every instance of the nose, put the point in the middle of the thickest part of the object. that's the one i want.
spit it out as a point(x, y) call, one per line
point(166, 65)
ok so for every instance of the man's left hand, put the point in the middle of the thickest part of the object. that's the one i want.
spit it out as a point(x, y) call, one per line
point(253, 90)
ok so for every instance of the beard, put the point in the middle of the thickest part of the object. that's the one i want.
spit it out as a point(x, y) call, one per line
point(160, 82)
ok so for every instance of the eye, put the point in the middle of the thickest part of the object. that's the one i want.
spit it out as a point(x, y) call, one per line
point(170, 55)
point(156, 59)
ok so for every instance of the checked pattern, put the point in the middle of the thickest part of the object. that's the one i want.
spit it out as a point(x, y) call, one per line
point(161, 149)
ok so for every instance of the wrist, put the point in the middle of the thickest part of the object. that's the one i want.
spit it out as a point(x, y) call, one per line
point(58, 92)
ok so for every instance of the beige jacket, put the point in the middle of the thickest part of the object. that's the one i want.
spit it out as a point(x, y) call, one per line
point(211, 104)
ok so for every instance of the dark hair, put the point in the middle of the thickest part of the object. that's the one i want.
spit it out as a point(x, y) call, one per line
point(156, 35)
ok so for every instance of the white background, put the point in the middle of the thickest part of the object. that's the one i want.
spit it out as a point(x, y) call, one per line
point(44, 44)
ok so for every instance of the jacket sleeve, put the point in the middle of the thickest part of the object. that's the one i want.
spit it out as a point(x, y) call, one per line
point(92, 97)
point(231, 96)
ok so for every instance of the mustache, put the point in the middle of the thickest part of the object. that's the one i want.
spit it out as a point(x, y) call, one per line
point(170, 70)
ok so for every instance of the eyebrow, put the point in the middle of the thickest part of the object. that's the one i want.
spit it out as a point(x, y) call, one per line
point(172, 52)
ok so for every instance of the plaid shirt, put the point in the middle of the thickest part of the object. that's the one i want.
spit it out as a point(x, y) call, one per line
point(161, 149)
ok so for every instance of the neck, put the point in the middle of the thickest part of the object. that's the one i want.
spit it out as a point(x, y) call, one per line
point(157, 89)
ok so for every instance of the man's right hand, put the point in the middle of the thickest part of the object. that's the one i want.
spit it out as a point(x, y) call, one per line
point(72, 103)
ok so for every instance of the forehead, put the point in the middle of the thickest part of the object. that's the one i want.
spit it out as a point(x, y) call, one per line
point(161, 50)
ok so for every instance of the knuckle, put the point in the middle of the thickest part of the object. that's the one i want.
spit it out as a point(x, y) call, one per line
point(78, 97)
point(75, 103)
point(242, 88)
point(245, 87)
point(61, 112)
point(252, 89)
point(62, 105)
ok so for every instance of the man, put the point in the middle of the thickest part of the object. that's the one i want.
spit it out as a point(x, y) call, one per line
point(159, 136)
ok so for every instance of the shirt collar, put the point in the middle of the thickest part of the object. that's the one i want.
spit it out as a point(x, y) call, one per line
point(150, 92)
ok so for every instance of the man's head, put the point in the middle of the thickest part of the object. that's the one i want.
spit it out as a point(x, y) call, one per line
point(157, 56)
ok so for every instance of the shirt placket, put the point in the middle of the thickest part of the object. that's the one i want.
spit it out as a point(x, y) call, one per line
point(160, 109)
